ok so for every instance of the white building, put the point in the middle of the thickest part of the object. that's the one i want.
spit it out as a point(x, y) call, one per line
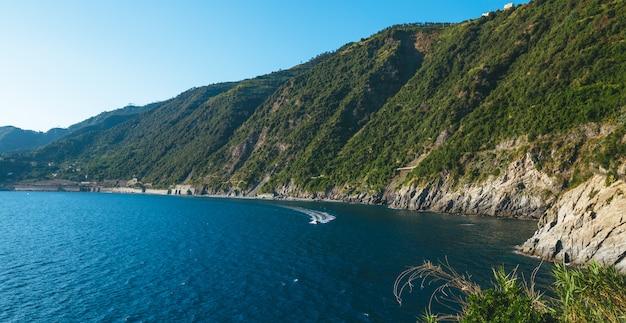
point(509, 6)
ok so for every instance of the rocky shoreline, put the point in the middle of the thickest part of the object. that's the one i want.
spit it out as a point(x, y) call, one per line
point(575, 226)
point(521, 191)
point(586, 223)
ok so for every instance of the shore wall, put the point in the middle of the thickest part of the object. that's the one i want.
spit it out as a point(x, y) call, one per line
point(68, 186)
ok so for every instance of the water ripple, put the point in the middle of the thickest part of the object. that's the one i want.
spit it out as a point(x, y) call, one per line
point(107, 257)
point(316, 216)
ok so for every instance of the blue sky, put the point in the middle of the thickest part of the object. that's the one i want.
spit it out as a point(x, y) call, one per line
point(64, 61)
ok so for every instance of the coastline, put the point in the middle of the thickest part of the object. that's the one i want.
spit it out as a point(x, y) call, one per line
point(575, 226)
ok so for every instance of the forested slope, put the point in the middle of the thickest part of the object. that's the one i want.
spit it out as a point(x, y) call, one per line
point(540, 79)
point(304, 125)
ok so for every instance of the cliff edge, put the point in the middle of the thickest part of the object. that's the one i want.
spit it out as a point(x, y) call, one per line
point(520, 191)
point(586, 223)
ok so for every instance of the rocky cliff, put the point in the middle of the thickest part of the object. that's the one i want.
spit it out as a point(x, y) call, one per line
point(578, 225)
point(585, 223)
point(521, 191)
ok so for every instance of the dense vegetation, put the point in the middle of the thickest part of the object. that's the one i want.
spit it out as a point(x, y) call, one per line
point(593, 293)
point(454, 101)
point(305, 124)
point(163, 142)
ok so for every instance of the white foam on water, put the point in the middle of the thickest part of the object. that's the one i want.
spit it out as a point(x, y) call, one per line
point(316, 216)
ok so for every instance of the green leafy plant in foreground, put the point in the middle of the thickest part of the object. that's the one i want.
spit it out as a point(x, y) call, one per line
point(593, 293)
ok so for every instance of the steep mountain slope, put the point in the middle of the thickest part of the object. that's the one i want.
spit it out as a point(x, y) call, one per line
point(104, 120)
point(306, 123)
point(166, 141)
point(520, 83)
point(529, 92)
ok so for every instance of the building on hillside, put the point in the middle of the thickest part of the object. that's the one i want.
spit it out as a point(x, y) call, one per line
point(509, 6)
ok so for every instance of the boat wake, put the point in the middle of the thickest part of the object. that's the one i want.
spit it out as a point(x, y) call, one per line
point(316, 216)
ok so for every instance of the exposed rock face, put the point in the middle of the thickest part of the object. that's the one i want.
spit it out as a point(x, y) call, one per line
point(521, 191)
point(585, 223)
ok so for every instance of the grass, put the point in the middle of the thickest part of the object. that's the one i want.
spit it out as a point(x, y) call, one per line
point(593, 293)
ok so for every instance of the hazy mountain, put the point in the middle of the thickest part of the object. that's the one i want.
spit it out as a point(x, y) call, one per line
point(14, 139)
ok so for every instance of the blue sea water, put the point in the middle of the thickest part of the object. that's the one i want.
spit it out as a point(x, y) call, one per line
point(73, 257)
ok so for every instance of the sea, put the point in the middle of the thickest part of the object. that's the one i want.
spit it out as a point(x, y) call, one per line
point(96, 257)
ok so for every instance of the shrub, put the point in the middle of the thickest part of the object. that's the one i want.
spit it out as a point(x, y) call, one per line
point(593, 293)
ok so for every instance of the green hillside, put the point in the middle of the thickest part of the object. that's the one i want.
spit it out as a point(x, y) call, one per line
point(15, 140)
point(163, 143)
point(453, 102)
point(532, 74)
point(304, 125)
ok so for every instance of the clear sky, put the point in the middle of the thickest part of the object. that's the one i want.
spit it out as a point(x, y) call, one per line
point(64, 61)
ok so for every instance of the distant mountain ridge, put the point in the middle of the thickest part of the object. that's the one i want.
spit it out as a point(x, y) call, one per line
point(499, 115)
point(16, 140)
point(13, 139)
